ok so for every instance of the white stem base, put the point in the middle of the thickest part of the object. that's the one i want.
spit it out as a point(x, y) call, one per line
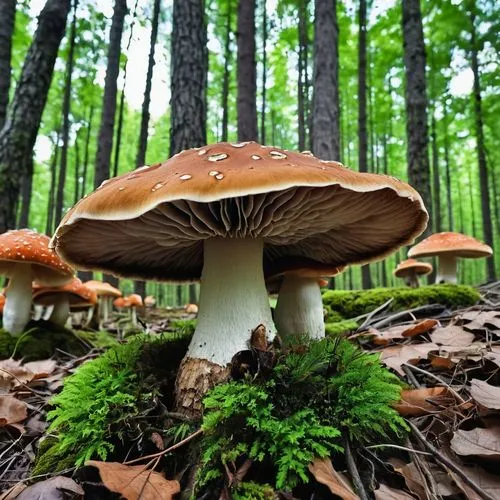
point(60, 312)
point(133, 317)
point(17, 309)
point(233, 299)
point(105, 309)
point(447, 269)
point(299, 309)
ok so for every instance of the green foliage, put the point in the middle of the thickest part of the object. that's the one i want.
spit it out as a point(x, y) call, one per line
point(251, 490)
point(350, 304)
point(314, 394)
point(340, 327)
point(184, 326)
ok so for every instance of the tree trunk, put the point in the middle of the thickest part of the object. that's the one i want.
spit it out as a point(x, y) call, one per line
point(481, 150)
point(66, 109)
point(447, 166)
point(436, 204)
point(26, 195)
point(416, 102)
point(226, 75)
point(264, 75)
point(366, 278)
point(18, 135)
point(86, 152)
point(302, 77)
point(325, 113)
point(105, 140)
point(77, 170)
point(247, 72)
point(7, 17)
point(49, 228)
point(140, 160)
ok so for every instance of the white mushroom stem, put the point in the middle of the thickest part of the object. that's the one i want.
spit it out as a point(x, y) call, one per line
point(299, 309)
point(447, 269)
point(17, 309)
point(105, 308)
point(133, 316)
point(233, 299)
point(412, 280)
point(60, 312)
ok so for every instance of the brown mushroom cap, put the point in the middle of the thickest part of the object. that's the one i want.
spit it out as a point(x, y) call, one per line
point(452, 244)
point(78, 294)
point(134, 300)
point(103, 289)
point(29, 247)
point(410, 266)
point(151, 223)
point(120, 302)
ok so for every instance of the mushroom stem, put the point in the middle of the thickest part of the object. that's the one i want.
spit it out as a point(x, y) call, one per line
point(60, 312)
point(105, 309)
point(447, 269)
point(133, 316)
point(17, 310)
point(299, 309)
point(233, 299)
point(412, 280)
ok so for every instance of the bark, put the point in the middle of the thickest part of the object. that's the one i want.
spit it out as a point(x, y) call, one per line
point(447, 166)
point(66, 109)
point(366, 279)
point(302, 81)
point(481, 149)
point(189, 76)
point(436, 204)
point(26, 195)
point(325, 112)
point(105, 140)
point(247, 72)
point(264, 75)
point(86, 152)
point(7, 17)
point(226, 76)
point(18, 136)
point(49, 227)
point(77, 170)
point(416, 102)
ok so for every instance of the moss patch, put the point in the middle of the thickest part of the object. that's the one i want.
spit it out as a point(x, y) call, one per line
point(40, 342)
point(343, 304)
point(341, 327)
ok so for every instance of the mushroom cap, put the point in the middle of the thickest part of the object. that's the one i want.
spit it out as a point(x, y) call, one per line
point(453, 244)
point(273, 283)
point(134, 300)
point(103, 289)
point(29, 247)
point(151, 223)
point(149, 301)
point(410, 266)
point(78, 294)
point(120, 302)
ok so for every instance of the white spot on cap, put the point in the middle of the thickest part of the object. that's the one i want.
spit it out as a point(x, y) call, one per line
point(256, 157)
point(219, 176)
point(202, 151)
point(277, 155)
point(185, 177)
point(159, 185)
point(142, 168)
point(121, 188)
point(307, 153)
point(213, 173)
point(217, 157)
point(239, 144)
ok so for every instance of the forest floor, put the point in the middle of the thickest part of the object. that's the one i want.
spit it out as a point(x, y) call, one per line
point(449, 359)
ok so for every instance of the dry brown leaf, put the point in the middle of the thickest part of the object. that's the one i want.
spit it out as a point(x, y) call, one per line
point(135, 482)
point(417, 402)
point(42, 368)
point(14, 371)
point(384, 492)
point(479, 442)
point(12, 410)
point(13, 492)
point(384, 337)
point(440, 362)
point(453, 335)
point(481, 320)
point(485, 394)
point(395, 356)
point(55, 488)
point(413, 477)
point(420, 328)
point(323, 471)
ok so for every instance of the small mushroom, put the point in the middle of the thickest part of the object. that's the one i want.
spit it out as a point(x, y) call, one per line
point(448, 247)
point(25, 257)
point(149, 301)
point(134, 301)
point(105, 293)
point(410, 270)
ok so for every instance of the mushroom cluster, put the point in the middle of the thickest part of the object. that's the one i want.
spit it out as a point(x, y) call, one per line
point(227, 215)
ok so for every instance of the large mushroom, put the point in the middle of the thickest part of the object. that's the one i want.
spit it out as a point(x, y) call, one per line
point(448, 247)
point(410, 270)
point(25, 257)
point(227, 213)
point(299, 309)
point(62, 298)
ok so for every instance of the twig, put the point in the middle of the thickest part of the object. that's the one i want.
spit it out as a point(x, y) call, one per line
point(440, 457)
point(411, 378)
point(353, 471)
point(370, 316)
point(428, 309)
point(409, 450)
point(168, 450)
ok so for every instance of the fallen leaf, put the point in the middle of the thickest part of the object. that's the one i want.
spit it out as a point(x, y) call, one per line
point(440, 362)
point(384, 492)
point(41, 369)
point(55, 488)
point(135, 482)
point(13, 492)
point(384, 337)
point(479, 442)
point(11, 410)
point(14, 371)
point(480, 320)
point(417, 402)
point(414, 479)
point(454, 336)
point(395, 356)
point(485, 394)
point(323, 471)
point(420, 328)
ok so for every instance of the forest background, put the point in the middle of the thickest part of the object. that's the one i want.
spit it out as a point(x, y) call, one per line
point(459, 103)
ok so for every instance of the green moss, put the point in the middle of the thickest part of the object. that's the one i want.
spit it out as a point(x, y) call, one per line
point(350, 304)
point(341, 327)
point(250, 490)
point(101, 339)
point(51, 459)
point(40, 341)
point(184, 326)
